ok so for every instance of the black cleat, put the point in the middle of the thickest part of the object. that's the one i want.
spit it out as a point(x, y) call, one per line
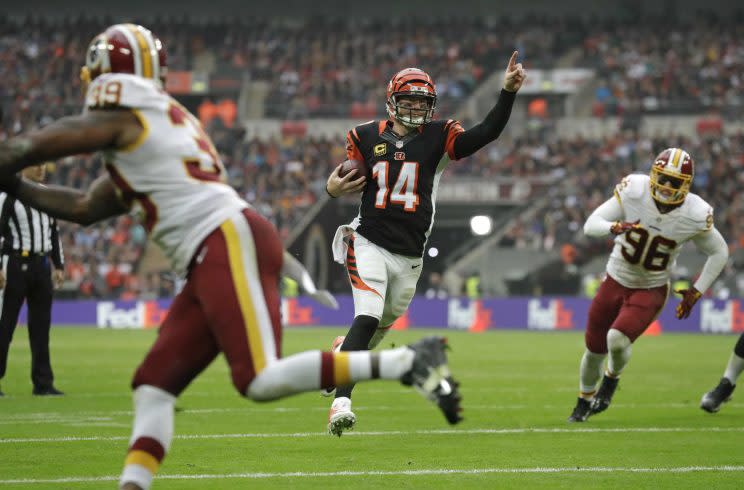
point(604, 394)
point(719, 395)
point(430, 375)
point(1, 393)
point(581, 411)
point(47, 391)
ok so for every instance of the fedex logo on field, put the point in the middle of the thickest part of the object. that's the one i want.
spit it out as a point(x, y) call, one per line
point(554, 315)
point(141, 314)
point(722, 317)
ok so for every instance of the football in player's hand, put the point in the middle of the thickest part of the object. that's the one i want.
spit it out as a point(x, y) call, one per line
point(350, 165)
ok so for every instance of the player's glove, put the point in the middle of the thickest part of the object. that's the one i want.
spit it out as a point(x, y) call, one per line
point(689, 298)
point(620, 227)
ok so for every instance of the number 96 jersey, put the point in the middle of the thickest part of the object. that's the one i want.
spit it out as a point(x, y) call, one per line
point(643, 256)
point(172, 171)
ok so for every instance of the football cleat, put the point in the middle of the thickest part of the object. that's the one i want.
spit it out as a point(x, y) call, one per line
point(603, 398)
point(340, 417)
point(581, 411)
point(716, 397)
point(335, 347)
point(431, 377)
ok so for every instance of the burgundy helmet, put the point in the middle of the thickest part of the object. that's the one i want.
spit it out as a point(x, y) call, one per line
point(671, 176)
point(125, 48)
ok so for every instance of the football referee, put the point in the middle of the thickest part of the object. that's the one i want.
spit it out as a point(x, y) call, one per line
point(32, 264)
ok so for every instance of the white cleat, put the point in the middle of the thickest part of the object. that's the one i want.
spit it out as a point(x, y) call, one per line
point(340, 418)
point(335, 347)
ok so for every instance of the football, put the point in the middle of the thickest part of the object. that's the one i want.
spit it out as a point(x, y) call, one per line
point(358, 165)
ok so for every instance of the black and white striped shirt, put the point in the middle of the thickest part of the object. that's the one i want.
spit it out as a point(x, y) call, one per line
point(26, 231)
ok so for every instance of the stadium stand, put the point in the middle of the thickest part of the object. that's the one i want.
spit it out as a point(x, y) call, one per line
point(314, 72)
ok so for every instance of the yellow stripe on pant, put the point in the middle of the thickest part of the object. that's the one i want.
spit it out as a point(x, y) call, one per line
point(245, 299)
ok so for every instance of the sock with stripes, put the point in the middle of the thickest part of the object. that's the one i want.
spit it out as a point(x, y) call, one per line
point(151, 436)
point(312, 370)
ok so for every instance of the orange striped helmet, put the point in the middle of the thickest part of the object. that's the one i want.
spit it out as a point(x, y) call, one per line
point(411, 82)
point(125, 48)
point(671, 176)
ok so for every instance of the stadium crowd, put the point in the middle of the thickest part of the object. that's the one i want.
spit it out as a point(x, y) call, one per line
point(682, 67)
point(322, 72)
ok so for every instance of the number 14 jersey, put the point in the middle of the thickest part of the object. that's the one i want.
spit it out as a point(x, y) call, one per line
point(643, 257)
point(398, 203)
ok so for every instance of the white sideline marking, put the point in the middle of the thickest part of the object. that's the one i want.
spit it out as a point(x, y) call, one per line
point(59, 417)
point(439, 432)
point(212, 394)
point(433, 471)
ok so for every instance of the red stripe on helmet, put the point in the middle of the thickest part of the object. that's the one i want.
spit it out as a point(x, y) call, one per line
point(121, 52)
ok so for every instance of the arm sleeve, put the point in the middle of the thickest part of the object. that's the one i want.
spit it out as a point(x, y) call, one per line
point(352, 146)
point(598, 224)
point(58, 258)
point(466, 143)
point(712, 244)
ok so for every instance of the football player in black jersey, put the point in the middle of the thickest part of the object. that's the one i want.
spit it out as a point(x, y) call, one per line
point(719, 395)
point(384, 245)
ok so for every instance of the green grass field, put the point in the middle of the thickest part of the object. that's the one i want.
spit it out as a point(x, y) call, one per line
point(518, 389)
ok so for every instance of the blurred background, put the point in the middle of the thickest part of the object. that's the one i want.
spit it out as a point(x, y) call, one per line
point(277, 85)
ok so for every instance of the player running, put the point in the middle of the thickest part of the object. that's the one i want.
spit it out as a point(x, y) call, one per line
point(384, 245)
point(716, 397)
point(651, 217)
point(159, 159)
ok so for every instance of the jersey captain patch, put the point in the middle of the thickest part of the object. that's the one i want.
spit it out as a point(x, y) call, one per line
point(397, 207)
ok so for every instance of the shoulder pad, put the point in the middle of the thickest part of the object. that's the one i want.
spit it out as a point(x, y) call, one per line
point(124, 90)
point(632, 186)
point(699, 211)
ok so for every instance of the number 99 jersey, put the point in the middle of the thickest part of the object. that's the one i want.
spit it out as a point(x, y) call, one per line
point(643, 256)
point(172, 172)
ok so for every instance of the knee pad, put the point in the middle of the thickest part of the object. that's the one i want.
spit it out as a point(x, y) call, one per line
point(616, 340)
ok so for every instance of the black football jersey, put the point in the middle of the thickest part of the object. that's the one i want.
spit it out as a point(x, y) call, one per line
point(397, 208)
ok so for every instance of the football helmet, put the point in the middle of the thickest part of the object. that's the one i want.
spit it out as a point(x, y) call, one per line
point(411, 82)
point(671, 176)
point(125, 48)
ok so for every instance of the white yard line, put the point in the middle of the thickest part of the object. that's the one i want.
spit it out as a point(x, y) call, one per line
point(54, 417)
point(439, 432)
point(424, 472)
